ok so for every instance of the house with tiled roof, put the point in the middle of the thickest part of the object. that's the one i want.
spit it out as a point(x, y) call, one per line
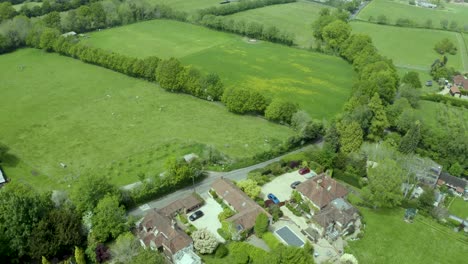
point(158, 231)
point(337, 218)
point(184, 205)
point(454, 91)
point(321, 190)
point(246, 209)
point(460, 81)
point(457, 184)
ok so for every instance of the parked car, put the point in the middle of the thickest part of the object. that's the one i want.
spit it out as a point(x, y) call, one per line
point(304, 171)
point(429, 83)
point(273, 198)
point(295, 184)
point(196, 215)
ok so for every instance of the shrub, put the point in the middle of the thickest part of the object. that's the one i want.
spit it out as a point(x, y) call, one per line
point(293, 210)
point(261, 224)
point(445, 46)
point(226, 213)
point(281, 111)
point(221, 251)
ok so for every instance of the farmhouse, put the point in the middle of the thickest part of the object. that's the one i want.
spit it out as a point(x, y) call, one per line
point(246, 208)
point(321, 190)
point(460, 81)
point(159, 232)
point(454, 91)
point(183, 205)
point(454, 183)
point(337, 218)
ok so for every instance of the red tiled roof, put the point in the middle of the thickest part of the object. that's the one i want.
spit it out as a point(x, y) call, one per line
point(332, 213)
point(454, 89)
point(460, 80)
point(188, 203)
point(321, 190)
point(162, 232)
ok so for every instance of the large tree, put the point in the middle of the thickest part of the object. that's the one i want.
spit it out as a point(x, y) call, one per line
point(126, 247)
point(379, 119)
point(336, 33)
point(350, 136)
point(89, 190)
point(281, 111)
point(169, 73)
point(21, 209)
point(384, 187)
point(109, 219)
point(410, 141)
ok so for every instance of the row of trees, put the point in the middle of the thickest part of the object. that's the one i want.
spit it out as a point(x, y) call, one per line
point(50, 6)
point(239, 6)
point(251, 29)
point(408, 22)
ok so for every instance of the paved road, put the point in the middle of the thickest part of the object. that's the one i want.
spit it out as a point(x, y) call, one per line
point(204, 185)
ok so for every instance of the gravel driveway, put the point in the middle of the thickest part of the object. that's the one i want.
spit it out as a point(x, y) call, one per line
point(280, 186)
point(210, 221)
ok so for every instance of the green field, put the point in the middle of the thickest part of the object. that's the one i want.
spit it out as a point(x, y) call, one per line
point(295, 18)
point(187, 5)
point(59, 110)
point(389, 239)
point(431, 112)
point(28, 4)
point(319, 83)
point(412, 48)
point(396, 9)
point(459, 207)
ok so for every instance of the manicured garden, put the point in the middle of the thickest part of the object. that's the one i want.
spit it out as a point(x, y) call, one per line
point(319, 83)
point(99, 122)
point(396, 9)
point(459, 207)
point(389, 239)
point(294, 18)
point(412, 48)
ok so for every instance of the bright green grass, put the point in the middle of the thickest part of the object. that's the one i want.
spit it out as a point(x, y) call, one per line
point(187, 5)
point(271, 240)
point(401, 9)
point(411, 48)
point(295, 18)
point(99, 122)
point(28, 4)
point(459, 207)
point(389, 239)
point(320, 84)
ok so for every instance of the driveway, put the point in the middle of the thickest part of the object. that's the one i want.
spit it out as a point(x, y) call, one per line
point(280, 186)
point(210, 221)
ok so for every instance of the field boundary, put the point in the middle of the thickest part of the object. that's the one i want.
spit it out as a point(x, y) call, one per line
point(464, 51)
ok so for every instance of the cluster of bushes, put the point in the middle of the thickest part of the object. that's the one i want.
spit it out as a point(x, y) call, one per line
point(407, 22)
point(445, 46)
point(50, 6)
point(243, 5)
point(250, 29)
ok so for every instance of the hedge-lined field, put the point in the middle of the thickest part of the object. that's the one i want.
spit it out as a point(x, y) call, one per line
point(294, 18)
point(396, 9)
point(410, 47)
point(96, 121)
point(320, 84)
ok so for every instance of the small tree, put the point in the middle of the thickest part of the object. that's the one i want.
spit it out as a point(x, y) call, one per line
point(280, 111)
point(250, 187)
point(410, 141)
point(412, 78)
point(261, 224)
point(221, 251)
point(204, 241)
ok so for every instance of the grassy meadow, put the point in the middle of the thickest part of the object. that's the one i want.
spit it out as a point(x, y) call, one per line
point(396, 9)
point(389, 239)
point(295, 18)
point(319, 83)
point(412, 48)
point(459, 207)
point(60, 110)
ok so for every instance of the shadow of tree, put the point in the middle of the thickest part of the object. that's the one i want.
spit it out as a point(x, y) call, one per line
point(6, 158)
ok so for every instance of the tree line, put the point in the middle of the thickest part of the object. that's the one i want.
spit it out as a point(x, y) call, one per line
point(239, 6)
point(444, 24)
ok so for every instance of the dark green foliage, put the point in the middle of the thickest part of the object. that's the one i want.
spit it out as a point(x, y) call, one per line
point(426, 200)
point(280, 111)
point(211, 87)
point(445, 46)
point(168, 75)
point(355, 45)
point(275, 212)
point(284, 254)
point(241, 101)
point(52, 20)
point(335, 33)
point(6, 11)
point(410, 141)
point(261, 224)
point(412, 78)
point(411, 94)
point(56, 234)
point(445, 99)
point(456, 169)
point(89, 190)
point(109, 219)
point(221, 251)
point(148, 256)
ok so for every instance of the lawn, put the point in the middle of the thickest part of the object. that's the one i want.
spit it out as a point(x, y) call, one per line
point(389, 239)
point(396, 9)
point(99, 122)
point(412, 48)
point(295, 18)
point(319, 83)
point(459, 207)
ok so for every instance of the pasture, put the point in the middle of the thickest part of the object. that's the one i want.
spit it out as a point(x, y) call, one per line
point(319, 83)
point(389, 239)
point(60, 110)
point(294, 18)
point(396, 9)
point(412, 48)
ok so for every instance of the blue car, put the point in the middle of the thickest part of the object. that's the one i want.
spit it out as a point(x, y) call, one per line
point(273, 198)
